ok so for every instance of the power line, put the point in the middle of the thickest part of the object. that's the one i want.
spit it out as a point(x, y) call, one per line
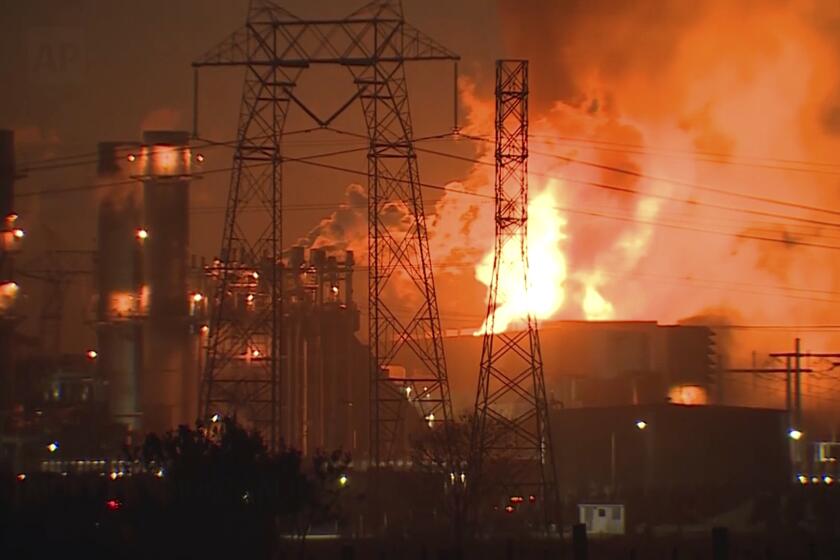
point(129, 147)
point(634, 192)
point(602, 215)
point(824, 168)
point(97, 186)
point(678, 182)
point(307, 160)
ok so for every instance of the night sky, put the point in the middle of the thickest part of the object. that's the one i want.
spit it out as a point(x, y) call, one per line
point(83, 72)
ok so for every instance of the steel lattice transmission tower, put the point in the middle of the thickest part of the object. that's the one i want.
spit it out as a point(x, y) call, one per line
point(275, 47)
point(512, 424)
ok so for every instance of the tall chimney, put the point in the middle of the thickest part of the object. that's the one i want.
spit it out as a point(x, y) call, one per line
point(7, 172)
point(168, 387)
point(119, 285)
point(8, 289)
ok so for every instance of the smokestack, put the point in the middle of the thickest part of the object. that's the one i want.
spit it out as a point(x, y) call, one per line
point(7, 288)
point(119, 283)
point(7, 172)
point(169, 387)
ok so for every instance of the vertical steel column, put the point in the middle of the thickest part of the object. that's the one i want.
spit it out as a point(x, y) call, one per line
point(373, 43)
point(512, 420)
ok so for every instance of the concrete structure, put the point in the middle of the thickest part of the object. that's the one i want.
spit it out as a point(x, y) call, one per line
point(7, 172)
point(119, 287)
point(168, 388)
point(10, 242)
point(592, 363)
point(149, 313)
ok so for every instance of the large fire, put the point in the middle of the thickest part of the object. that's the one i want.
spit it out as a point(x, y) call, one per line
point(645, 147)
point(663, 160)
point(544, 294)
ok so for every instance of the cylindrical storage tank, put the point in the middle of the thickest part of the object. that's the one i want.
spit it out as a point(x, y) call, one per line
point(168, 387)
point(119, 286)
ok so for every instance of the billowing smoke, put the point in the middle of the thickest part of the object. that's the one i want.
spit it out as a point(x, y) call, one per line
point(683, 147)
point(345, 229)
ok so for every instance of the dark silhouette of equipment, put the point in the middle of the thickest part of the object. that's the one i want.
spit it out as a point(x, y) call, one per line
point(245, 357)
point(511, 410)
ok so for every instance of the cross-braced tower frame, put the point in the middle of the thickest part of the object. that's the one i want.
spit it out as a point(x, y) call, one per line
point(512, 424)
point(245, 358)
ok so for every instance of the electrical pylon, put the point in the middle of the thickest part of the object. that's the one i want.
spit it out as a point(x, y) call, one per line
point(512, 423)
point(275, 47)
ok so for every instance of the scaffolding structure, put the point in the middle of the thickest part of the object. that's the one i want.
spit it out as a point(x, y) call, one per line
point(245, 357)
point(512, 424)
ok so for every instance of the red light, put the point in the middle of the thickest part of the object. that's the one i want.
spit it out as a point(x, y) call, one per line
point(509, 509)
point(532, 499)
point(113, 505)
point(516, 499)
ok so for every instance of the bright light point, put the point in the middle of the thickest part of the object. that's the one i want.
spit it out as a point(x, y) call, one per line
point(113, 476)
point(52, 447)
point(430, 419)
point(343, 480)
point(334, 290)
point(18, 233)
point(641, 424)
point(21, 477)
point(205, 329)
point(215, 418)
point(815, 480)
point(255, 275)
point(92, 354)
point(250, 298)
point(9, 287)
point(142, 234)
point(509, 508)
point(197, 297)
point(159, 473)
point(131, 158)
point(546, 291)
point(827, 479)
point(802, 479)
point(255, 354)
point(12, 217)
point(113, 505)
point(199, 158)
point(795, 434)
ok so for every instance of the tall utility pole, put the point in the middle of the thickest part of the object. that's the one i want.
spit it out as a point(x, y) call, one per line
point(793, 382)
point(512, 419)
point(245, 356)
point(794, 377)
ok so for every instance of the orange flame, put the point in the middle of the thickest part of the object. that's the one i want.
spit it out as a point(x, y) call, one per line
point(545, 291)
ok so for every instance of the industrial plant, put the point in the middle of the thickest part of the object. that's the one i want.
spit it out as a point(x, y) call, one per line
point(464, 348)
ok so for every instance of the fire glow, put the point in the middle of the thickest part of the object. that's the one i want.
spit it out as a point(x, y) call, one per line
point(546, 263)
